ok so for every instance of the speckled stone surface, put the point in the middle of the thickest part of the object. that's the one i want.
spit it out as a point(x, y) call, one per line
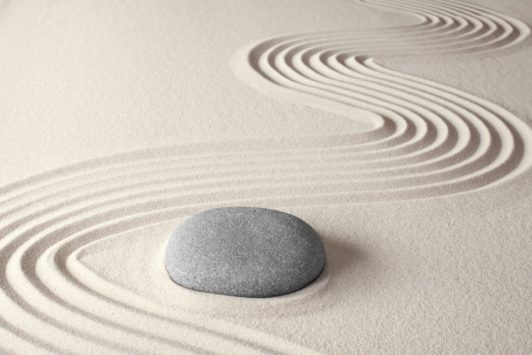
point(244, 251)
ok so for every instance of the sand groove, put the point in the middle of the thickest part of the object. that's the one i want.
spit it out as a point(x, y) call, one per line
point(427, 140)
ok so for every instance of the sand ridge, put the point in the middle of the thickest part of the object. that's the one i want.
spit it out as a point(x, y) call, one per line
point(428, 140)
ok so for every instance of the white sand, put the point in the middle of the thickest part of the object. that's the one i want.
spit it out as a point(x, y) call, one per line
point(403, 137)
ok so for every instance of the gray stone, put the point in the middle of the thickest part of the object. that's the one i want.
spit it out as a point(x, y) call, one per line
point(244, 251)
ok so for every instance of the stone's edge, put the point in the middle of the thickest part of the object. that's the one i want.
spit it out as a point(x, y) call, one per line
point(272, 295)
point(266, 295)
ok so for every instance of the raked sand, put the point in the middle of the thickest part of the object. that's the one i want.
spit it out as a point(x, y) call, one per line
point(400, 130)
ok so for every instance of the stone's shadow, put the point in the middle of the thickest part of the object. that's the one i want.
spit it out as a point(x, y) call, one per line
point(348, 271)
point(347, 267)
point(341, 255)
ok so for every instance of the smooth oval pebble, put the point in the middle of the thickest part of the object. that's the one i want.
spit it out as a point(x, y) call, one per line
point(244, 251)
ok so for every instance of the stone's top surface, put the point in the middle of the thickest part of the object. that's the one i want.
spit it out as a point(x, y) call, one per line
point(244, 251)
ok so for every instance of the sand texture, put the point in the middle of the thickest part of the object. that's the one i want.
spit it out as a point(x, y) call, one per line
point(398, 129)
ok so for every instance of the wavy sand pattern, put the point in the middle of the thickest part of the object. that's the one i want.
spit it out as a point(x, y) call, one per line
point(427, 140)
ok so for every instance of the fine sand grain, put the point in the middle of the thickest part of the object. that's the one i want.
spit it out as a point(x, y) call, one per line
point(400, 130)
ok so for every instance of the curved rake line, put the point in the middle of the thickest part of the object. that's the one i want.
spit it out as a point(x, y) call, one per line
point(491, 31)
